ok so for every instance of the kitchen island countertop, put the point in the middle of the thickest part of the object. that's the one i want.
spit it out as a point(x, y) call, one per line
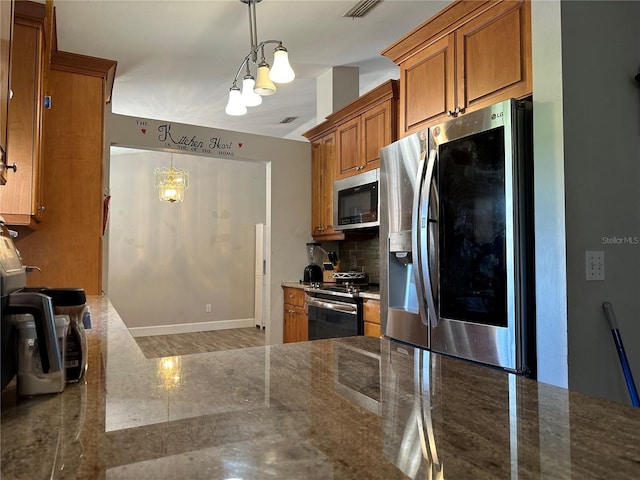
point(356, 407)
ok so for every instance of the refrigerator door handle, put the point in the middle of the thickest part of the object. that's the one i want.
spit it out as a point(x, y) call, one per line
point(415, 242)
point(423, 224)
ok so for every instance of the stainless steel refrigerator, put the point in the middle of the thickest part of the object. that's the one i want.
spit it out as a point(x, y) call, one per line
point(456, 238)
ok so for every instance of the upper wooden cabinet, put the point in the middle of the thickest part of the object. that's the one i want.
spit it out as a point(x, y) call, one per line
point(6, 24)
point(323, 154)
point(363, 127)
point(347, 143)
point(20, 198)
point(470, 55)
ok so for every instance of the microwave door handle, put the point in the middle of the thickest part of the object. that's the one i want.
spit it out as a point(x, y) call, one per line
point(422, 226)
point(416, 240)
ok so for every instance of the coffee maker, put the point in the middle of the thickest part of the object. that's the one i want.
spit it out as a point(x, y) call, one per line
point(16, 300)
point(313, 271)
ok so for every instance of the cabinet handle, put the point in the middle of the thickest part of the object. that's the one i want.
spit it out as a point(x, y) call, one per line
point(41, 208)
point(13, 167)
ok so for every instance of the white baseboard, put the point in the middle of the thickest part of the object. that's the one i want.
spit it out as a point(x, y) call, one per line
point(191, 327)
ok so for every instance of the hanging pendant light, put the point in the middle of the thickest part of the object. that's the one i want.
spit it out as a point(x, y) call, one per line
point(281, 72)
point(265, 77)
point(249, 97)
point(235, 105)
point(171, 183)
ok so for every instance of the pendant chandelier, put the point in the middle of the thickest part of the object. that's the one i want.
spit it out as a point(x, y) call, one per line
point(171, 183)
point(254, 88)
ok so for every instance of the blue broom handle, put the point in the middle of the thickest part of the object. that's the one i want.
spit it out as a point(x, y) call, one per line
point(626, 369)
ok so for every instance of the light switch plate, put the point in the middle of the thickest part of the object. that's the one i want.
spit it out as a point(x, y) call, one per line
point(595, 265)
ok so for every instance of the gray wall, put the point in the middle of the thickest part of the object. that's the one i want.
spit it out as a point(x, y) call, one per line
point(587, 149)
point(167, 261)
point(601, 55)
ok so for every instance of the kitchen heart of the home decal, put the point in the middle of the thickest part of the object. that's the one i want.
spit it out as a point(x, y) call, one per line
point(180, 138)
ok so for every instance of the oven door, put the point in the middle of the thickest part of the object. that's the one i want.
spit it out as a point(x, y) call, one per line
point(331, 318)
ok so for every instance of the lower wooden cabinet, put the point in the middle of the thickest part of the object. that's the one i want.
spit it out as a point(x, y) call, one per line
point(295, 323)
point(371, 317)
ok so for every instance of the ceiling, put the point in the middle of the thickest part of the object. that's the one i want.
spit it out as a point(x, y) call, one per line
point(177, 59)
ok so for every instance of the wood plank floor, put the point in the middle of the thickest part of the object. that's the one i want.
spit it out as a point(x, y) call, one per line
point(158, 346)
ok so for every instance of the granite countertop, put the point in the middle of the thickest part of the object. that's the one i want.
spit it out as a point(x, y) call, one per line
point(356, 407)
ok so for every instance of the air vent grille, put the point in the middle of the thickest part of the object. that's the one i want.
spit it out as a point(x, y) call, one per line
point(287, 119)
point(361, 8)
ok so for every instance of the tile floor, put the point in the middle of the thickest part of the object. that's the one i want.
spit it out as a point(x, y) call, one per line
point(158, 346)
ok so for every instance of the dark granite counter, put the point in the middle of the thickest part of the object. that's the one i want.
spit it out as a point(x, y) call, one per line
point(356, 407)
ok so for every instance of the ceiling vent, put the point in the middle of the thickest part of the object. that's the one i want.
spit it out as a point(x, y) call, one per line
point(361, 8)
point(287, 120)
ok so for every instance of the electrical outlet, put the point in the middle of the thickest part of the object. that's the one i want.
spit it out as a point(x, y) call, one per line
point(595, 266)
point(207, 308)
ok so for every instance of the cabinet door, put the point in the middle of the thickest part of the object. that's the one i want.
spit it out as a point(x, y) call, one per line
point(20, 198)
point(371, 311)
point(377, 126)
point(494, 56)
point(371, 329)
point(427, 89)
point(348, 147)
point(328, 175)
point(323, 167)
point(6, 22)
point(295, 325)
point(317, 191)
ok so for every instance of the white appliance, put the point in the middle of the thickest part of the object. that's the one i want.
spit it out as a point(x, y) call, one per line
point(261, 271)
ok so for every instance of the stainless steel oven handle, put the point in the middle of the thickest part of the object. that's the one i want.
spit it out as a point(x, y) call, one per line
point(331, 305)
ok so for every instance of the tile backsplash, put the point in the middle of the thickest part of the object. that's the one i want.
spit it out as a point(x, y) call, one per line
point(361, 255)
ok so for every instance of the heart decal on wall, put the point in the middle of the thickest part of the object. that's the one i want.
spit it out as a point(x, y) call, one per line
point(240, 145)
point(143, 130)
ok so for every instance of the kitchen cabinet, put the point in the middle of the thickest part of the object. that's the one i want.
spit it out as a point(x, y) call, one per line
point(6, 25)
point(371, 317)
point(322, 175)
point(346, 143)
point(470, 55)
point(295, 324)
point(67, 245)
point(21, 198)
point(363, 128)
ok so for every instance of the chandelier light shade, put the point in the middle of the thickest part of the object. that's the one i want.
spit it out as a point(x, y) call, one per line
point(235, 105)
point(249, 97)
point(281, 72)
point(264, 85)
point(171, 183)
point(263, 82)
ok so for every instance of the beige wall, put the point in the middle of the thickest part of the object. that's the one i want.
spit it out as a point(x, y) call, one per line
point(287, 204)
point(167, 261)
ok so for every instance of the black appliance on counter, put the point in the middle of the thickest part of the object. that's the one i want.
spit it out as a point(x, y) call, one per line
point(44, 305)
point(313, 271)
point(15, 299)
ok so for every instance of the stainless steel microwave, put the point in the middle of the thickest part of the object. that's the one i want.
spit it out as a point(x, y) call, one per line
point(355, 201)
